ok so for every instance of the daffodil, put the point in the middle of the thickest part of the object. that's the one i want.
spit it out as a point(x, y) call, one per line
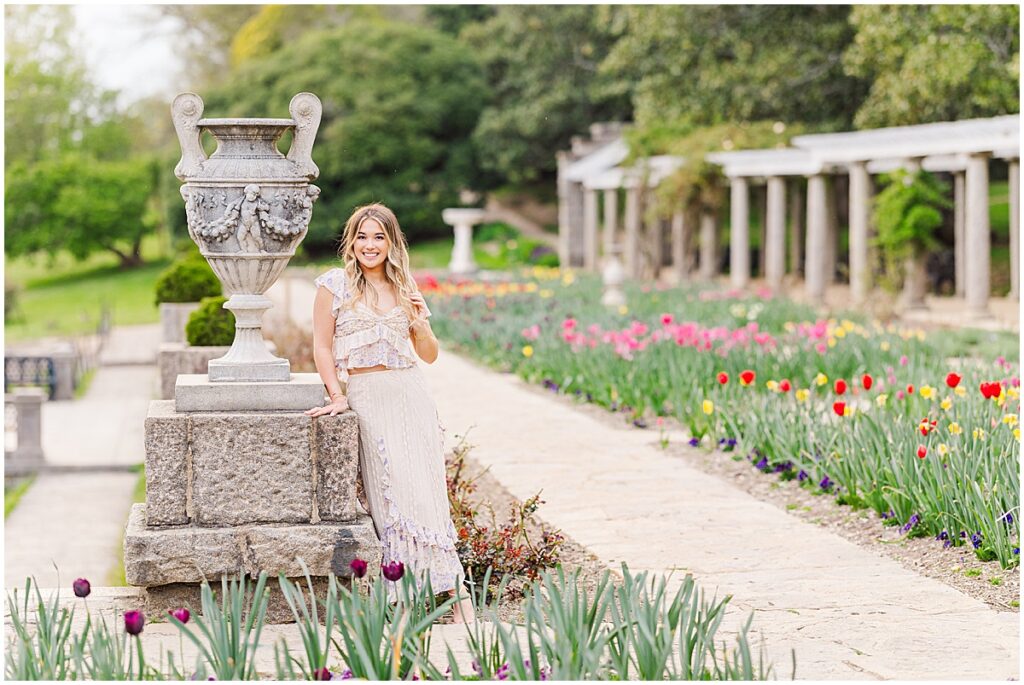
point(943, 449)
point(709, 407)
point(946, 404)
point(927, 392)
point(880, 400)
point(960, 391)
point(527, 350)
point(1016, 434)
point(979, 433)
point(821, 379)
point(772, 385)
point(840, 333)
point(955, 429)
point(802, 394)
point(1010, 419)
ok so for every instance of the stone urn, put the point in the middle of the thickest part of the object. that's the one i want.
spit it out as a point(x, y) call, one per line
point(462, 219)
point(248, 206)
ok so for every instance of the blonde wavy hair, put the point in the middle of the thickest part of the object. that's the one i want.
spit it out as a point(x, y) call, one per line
point(396, 264)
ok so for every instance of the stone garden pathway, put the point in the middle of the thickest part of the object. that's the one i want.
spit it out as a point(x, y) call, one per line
point(74, 516)
point(848, 613)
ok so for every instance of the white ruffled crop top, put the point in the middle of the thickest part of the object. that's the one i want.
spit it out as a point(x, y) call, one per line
point(361, 336)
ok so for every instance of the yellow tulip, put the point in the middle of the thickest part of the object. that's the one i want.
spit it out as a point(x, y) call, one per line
point(802, 394)
point(840, 333)
point(821, 379)
point(528, 351)
point(771, 385)
point(709, 407)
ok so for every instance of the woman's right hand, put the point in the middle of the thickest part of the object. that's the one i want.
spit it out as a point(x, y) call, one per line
point(336, 407)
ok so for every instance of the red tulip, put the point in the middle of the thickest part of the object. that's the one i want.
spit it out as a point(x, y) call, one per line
point(840, 386)
point(181, 614)
point(866, 381)
point(723, 378)
point(747, 377)
point(953, 379)
point(839, 408)
point(393, 571)
point(358, 567)
point(990, 390)
point(910, 389)
point(784, 385)
point(922, 451)
point(133, 621)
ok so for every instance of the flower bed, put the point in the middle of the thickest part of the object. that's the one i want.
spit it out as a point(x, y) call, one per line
point(877, 415)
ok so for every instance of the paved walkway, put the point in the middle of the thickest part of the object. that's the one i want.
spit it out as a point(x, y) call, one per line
point(76, 518)
point(848, 613)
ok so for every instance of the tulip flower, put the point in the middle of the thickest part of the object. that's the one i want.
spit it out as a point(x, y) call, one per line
point(723, 378)
point(133, 621)
point(910, 390)
point(953, 379)
point(784, 385)
point(747, 377)
point(866, 381)
point(528, 350)
point(322, 674)
point(839, 408)
point(772, 385)
point(922, 451)
point(358, 567)
point(880, 400)
point(802, 394)
point(666, 319)
point(81, 587)
point(903, 360)
point(182, 614)
point(821, 379)
point(840, 386)
point(393, 571)
point(708, 407)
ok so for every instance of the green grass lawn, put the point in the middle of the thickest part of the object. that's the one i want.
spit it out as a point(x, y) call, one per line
point(63, 297)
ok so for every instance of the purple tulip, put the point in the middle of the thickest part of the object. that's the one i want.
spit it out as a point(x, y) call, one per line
point(358, 567)
point(181, 614)
point(133, 621)
point(81, 587)
point(393, 571)
point(321, 674)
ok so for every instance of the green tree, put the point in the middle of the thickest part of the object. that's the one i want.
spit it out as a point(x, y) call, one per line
point(542, 65)
point(935, 62)
point(700, 65)
point(399, 104)
point(451, 19)
point(78, 204)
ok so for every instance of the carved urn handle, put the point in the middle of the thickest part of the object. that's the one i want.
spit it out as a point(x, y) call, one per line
point(306, 111)
point(186, 110)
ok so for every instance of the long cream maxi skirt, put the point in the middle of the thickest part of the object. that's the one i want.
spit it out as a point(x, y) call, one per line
point(401, 457)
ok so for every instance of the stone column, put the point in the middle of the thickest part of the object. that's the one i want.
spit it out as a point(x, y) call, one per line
point(564, 221)
point(590, 246)
point(708, 246)
point(959, 214)
point(611, 218)
point(831, 231)
point(860, 204)
point(762, 219)
point(796, 228)
point(976, 233)
point(28, 454)
point(775, 233)
point(817, 229)
point(680, 241)
point(632, 231)
point(739, 233)
point(1014, 228)
point(656, 236)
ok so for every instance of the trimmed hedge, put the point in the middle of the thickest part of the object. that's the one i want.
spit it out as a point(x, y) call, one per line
point(211, 324)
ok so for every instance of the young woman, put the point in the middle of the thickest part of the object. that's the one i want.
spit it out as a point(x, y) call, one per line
point(368, 318)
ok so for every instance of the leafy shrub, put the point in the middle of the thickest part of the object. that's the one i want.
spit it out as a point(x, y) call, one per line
point(496, 230)
point(187, 279)
point(507, 549)
point(211, 324)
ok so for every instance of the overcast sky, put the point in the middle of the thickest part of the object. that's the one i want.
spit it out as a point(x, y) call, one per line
point(129, 48)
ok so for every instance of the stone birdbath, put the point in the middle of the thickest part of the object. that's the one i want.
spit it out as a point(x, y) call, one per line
point(463, 219)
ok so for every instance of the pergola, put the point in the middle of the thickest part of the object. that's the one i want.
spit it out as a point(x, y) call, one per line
point(591, 179)
point(961, 148)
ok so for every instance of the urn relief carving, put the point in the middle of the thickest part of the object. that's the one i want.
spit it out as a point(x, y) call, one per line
point(248, 207)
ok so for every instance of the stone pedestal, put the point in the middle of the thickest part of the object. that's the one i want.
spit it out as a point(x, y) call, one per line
point(462, 262)
point(178, 358)
point(27, 455)
point(196, 392)
point(173, 317)
point(239, 492)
